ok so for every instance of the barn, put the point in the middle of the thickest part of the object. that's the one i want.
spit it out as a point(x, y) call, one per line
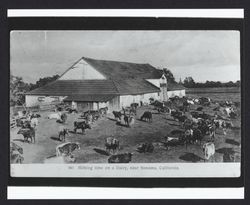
point(93, 84)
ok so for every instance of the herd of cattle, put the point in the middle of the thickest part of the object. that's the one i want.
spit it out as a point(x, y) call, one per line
point(195, 124)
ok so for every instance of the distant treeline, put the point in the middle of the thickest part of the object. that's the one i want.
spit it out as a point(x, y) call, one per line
point(190, 83)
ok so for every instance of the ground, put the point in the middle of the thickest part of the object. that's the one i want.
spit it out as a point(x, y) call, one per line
point(92, 143)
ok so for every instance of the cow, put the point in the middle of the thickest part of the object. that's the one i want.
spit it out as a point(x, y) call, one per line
point(56, 116)
point(28, 133)
point(15, 148)
point(199, 109)
point(147, 115)
point(34, 122)
point(145, 147)
point(190, 102)
point(103, 111)
point(62, 132)
point(197, 136)
point(67, 148)
point(128, 119)
point(112, 144)
point(35, 115)
point(135, 105)
point(121, 158)
point(174, 141)
point(211, 130)
point(117, 115)
point(81, 125)
point(228, 111)
point(188, 136)
point(16, 158)
point(208, 150)
point(194, 114)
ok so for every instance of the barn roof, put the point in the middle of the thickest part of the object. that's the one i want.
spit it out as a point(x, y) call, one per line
point(76, 87)
point(121, 70)
point(135, 86)
point(123, 78)
point(89, 98)
point(94, 87)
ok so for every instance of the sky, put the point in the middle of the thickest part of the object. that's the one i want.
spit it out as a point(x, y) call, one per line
point(204, 55)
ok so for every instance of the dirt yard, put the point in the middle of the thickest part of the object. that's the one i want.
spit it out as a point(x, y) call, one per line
point(92, 143)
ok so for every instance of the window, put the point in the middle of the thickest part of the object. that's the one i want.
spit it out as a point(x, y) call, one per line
point(55, 99)
point(41, 99)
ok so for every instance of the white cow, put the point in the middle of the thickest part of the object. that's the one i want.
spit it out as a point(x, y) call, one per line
point(67, 148)
point(190, 102)
point(34, 122)
point(209, 150)
point(56, 116)
point(228, 111)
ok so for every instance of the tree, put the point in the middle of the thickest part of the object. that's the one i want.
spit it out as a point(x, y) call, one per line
point(189, 82)
point(169, 75)
point(43, 81)
point(17, 90)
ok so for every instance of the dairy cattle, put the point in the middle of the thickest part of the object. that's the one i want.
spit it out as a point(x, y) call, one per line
point(63, 131)
point(28, 133)
point(120, 158)
point(147, 116)
point(67, 148)
point(112, 144)
point(117, 115)
point(56, 116)
point(145, 147)
point(208, 150)
point(81, 125)
point(34, 122)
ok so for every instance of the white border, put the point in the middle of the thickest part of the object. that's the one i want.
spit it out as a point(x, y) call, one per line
point(123, 193)
point(140, 170)
point(192, 13)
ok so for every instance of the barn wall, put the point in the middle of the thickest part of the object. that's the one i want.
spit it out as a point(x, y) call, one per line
point(82, 71)
point(84, 106)
point(179, 93)
point(114, 104)
point(155, 82)
point(126, 100)
point(34, 100)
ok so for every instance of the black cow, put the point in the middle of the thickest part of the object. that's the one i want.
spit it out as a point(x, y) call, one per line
point(147, 115)
point(81, 125)
point(197, 136)
point(194, 114)
point(28, 133)
point(111, 144)
point(117, 115)
point(199, 109)
point(174, 141)
point(145, 147)
point(63, 132)
point(135, 105)
point(121, 158)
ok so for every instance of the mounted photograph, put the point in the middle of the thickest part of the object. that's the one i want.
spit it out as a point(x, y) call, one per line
point(125, 103)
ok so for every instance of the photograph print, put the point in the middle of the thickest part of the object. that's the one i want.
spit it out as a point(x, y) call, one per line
point(116, 103)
